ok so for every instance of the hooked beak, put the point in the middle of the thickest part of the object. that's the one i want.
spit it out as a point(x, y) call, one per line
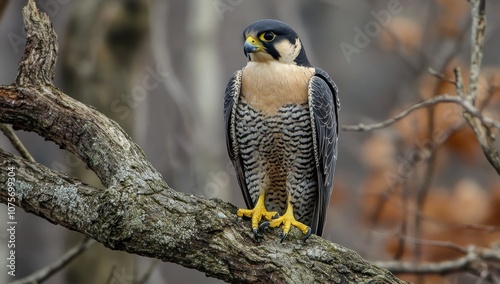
point(251, 45)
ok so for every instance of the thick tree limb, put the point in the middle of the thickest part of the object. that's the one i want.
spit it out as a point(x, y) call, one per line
point(155, 221)
point(137, 212)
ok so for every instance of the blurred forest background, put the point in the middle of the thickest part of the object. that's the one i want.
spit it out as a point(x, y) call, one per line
point(412, 191)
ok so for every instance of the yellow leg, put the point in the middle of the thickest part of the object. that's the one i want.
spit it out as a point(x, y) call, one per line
point(287, 221)
point(257, 213)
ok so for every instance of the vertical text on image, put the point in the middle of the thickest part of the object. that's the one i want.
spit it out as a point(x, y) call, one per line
point(11, 221)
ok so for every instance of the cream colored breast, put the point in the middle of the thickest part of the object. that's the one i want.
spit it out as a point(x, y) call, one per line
point(267, 86)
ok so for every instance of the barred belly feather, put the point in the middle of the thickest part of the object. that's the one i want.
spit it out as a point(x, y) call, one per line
point(278, 157)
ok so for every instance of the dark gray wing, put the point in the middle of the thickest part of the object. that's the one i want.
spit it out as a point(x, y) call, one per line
point(231, 98)
point(324, 105)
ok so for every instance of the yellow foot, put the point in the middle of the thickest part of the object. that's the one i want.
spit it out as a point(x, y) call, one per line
point(286, 222)
point(257, 213)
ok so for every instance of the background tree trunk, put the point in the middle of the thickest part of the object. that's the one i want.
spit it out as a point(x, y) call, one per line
point(102, 61)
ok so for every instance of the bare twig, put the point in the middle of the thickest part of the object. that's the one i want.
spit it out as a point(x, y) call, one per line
point(475, 227)
point(422, 155)
point(429, 156)
point(484, 135)
point(469, 262)
point(430, 169)
point(477, 39)
point(50, 270)
point(144, 278)
point(440, 76)
point(469, 108)
point(111, 275)
point(435, 243)
point(169, 79)
point(405, 225)
point(414, 65)
point(459, 84)
point(434, 220)
point(16, 142)
point(480, 126)
point(3, 5)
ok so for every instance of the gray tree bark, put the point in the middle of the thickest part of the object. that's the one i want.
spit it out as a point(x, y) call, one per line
point(138, 212)
point(101, 63)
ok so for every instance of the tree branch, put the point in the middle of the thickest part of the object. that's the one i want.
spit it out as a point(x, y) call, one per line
point(46, 272)
point(484, 135)
point(3, 5)
point(137, 212)
point(145, 276)
point(478, 8)
point(472, 262)
point(481, 125)
point(16, 142)
point(469, 108)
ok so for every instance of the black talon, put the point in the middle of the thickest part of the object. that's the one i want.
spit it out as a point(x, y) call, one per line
point(283, 237)
point(308, 234)
point(256, 234)
point(264, 225)
point(276, 216)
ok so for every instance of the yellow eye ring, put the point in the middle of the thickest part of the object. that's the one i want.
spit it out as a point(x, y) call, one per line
point(267, 36)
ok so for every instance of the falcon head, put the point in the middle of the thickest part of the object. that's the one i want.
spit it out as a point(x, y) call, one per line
point(273, 40)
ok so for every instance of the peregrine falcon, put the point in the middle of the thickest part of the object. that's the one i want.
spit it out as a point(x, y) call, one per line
point(281, 126)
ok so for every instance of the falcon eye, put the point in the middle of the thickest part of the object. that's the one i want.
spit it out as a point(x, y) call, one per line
point(267, 36)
